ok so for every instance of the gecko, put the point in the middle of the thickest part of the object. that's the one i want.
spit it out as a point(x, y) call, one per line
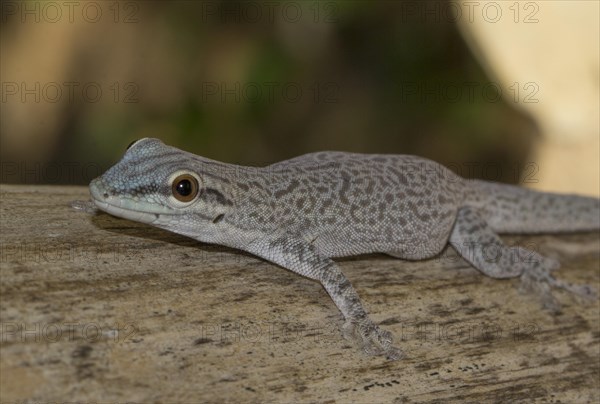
point(302, 213)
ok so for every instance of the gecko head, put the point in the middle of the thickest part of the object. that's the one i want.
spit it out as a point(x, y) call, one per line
point(163, 186)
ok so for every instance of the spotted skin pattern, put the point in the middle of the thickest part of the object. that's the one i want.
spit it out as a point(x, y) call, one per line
point(301, 213)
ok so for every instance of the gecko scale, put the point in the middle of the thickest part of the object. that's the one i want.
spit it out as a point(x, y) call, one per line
point(301, 213)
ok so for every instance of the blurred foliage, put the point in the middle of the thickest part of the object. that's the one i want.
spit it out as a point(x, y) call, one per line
point(354, 67)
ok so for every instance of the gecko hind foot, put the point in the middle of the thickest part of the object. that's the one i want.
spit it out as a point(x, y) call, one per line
point(373, 340)
point(532, 286)
point(476, 241)
point(537, 280)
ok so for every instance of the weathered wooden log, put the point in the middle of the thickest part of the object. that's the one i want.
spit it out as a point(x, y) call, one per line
point(95, 308)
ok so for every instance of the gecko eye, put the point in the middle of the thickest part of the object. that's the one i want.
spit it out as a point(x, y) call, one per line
point(185, 187)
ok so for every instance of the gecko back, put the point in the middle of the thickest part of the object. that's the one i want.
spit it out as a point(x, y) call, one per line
point(350, 203)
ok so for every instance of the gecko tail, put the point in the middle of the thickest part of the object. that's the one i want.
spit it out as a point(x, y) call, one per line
point(513, 209)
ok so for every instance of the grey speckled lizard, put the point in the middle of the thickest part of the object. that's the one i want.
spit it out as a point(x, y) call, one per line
point(300, 213)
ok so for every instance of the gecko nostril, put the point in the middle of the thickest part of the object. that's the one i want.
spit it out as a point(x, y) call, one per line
point(105, 195)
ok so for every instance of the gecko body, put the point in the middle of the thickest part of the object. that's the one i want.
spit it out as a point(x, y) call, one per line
point(301, 213)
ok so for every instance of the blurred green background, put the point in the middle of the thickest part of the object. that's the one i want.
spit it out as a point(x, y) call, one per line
point(248, 83)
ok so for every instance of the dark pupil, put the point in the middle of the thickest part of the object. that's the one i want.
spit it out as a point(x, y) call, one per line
point(184, 187)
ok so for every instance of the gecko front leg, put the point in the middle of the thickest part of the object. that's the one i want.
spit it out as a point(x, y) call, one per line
point(301, 257)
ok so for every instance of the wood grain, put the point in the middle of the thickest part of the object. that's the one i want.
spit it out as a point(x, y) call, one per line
point(95, 308)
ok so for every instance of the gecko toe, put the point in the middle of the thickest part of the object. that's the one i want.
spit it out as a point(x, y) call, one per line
point(585, 292)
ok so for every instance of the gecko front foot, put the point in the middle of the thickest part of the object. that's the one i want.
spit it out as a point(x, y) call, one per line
point(373, 340)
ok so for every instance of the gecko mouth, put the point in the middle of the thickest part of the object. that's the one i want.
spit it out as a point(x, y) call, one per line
point(125, 213)
point(125, 208)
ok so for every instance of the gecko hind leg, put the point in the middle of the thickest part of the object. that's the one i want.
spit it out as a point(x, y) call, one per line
point(477, 243)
